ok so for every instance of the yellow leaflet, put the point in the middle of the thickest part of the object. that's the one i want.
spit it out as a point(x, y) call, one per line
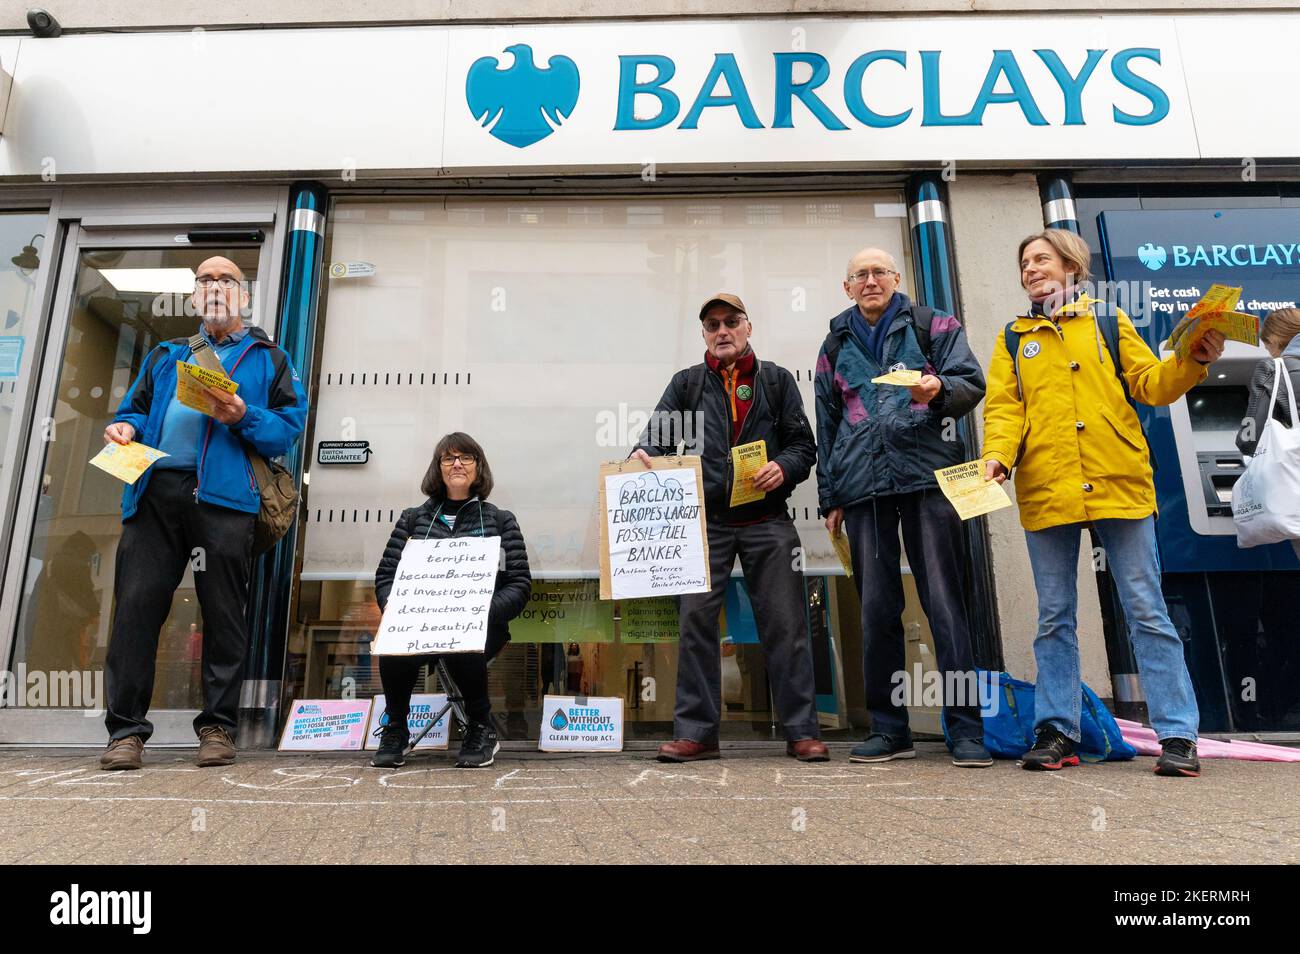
point(1218, 298)
point(904, 378)
point(1233, 325)
point(747, 460)
point(126, 461)
point(191, 381)
point(840, 543)
point(970, 494)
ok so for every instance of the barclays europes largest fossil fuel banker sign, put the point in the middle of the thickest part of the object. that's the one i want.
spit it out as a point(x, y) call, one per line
point(825, 91)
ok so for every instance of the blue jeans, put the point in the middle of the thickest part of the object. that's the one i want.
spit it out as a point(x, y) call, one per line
point(1130, 550)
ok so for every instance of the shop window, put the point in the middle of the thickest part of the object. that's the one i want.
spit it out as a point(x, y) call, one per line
point(548, 345)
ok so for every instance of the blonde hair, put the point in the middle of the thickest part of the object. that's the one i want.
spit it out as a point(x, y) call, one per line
point(1073, 250)
point(1280, 327)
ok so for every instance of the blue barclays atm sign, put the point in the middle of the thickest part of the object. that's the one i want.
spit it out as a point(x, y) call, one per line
point(522, 103)
point(1194, 248)
point(1238, 255)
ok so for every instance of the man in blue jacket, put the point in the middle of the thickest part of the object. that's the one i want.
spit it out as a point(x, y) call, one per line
point(878, 446)
point(197, 504)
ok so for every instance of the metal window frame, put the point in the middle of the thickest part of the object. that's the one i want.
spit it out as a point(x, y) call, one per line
point(106, 217)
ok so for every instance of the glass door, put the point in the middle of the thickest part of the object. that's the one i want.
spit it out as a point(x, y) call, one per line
point(119, 295)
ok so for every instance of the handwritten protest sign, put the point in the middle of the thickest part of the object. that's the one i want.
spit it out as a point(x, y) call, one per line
point(652, 537)
point(126, 461)
point(440, 597)
point(191, 384)
point(970, 494)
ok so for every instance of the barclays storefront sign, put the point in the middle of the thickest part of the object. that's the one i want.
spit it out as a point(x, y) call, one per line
point(704, 94)
point(822, 92)
point(522, 103)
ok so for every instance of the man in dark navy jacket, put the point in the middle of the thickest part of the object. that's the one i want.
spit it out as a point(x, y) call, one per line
point(731, 399)
point(197, 504)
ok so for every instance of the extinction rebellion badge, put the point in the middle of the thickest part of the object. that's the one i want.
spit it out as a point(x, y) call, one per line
point(744, 392)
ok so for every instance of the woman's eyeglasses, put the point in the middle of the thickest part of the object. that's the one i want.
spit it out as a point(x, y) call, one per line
point(450, 460)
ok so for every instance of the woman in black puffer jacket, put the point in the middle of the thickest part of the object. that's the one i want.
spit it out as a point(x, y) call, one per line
point(457, 485)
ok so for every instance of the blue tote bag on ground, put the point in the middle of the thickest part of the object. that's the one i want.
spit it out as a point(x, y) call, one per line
point(1007, 709)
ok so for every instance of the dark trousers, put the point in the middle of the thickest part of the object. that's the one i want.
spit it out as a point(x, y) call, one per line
point(169, 529)
point(936, 553)
point(770, 559)
point(467, 670)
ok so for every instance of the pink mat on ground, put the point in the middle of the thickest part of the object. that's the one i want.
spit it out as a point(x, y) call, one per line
point(1143, 739)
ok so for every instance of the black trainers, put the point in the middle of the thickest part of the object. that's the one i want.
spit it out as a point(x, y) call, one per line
point(480, 746)
point(393, 740)
point(1178, 758)
point(1052, 751)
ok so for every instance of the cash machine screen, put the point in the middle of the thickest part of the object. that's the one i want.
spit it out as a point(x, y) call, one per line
point(1216, 414)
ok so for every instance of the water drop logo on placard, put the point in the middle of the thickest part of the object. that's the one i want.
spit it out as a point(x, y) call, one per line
point(558, 721)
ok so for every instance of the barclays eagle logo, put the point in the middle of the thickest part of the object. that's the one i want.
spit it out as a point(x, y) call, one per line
point(1152, 256)
point(522, 104)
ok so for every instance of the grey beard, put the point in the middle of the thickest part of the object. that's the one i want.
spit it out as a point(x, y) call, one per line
point(219, 322)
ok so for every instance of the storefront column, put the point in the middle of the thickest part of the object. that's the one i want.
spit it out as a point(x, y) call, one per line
point(1058, 203)
point(936, 286)
point(268, 601)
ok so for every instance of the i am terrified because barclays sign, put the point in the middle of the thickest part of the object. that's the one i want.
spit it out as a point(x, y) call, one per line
point(522, 103)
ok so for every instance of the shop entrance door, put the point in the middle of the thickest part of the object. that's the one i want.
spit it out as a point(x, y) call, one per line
point(120, 291)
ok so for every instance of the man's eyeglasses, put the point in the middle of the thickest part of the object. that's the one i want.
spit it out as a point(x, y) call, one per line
point(711, 325)
point(879, 274)
point(450, 460)
point(225, 282)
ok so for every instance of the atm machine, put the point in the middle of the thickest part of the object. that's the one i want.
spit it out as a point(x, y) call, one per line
point(1237, 610)
point(1205, 423)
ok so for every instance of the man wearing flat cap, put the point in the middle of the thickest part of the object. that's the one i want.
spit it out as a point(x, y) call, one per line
point(729, 400)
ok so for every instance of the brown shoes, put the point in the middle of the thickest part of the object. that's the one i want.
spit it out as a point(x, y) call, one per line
point(123, 754)
point(685, 750)
point(216, 747)
point(808, 750)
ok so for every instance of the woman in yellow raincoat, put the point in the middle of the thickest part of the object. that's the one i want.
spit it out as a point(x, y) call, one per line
point(1057, 414)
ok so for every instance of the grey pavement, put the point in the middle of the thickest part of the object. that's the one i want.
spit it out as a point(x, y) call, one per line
point(754, 805)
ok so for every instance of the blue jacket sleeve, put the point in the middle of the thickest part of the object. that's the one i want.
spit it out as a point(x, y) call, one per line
point(134, 409)
point(274, 429)
point(956, 367)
